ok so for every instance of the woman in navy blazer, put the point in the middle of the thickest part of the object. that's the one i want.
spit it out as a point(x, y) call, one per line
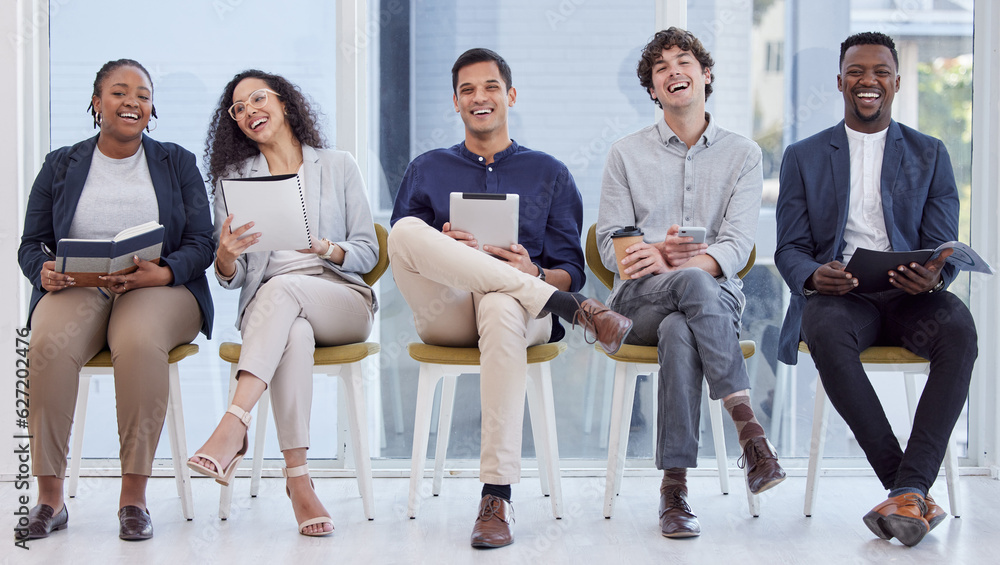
point(290, 300)
point(94, 189)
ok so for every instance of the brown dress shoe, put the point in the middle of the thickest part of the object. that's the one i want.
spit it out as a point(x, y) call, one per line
point(935, 514)
point(608, 327)
point(763, 471)
point(134, 524)
point(42, 520)
point(899, 517)
point(676, 518)
point(492, 527)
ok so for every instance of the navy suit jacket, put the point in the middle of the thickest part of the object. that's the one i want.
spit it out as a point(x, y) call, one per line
point(919, 203)
point(188, 248)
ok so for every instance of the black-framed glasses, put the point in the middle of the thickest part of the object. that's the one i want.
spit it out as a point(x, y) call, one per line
point(257, 99)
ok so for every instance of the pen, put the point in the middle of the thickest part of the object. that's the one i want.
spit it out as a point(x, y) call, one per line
point(51, 255)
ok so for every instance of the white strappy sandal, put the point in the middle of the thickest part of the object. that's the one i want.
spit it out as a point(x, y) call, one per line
point(292, 472)
point(223, 476)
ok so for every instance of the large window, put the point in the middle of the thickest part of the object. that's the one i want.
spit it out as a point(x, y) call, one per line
point(192, 49)
point(574, 68)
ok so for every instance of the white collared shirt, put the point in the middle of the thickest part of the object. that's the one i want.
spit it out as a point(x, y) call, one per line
point(865, 220)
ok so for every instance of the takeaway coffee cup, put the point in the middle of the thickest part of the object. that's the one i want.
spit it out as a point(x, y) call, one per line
point(622, 239)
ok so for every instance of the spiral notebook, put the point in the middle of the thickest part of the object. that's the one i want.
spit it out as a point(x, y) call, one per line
point(277, 207)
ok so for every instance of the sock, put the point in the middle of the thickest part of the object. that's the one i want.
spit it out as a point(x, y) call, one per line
point(503, 491)
point(747, 426)
point(899, 491)
point(673, 477)
point(564, 304)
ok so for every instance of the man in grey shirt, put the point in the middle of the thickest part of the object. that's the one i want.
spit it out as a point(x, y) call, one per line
point(686, 297)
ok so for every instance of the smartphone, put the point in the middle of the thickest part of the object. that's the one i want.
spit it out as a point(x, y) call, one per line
point(697, 233)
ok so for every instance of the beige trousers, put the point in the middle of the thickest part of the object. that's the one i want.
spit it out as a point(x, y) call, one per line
point(140, 327)
point(289, 315)
point(462, 297)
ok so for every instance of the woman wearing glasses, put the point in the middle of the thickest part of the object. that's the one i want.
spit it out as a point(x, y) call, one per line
point(116, 180)
point(290, 301)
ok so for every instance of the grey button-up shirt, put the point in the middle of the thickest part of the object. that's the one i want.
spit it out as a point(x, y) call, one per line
point(653, 180)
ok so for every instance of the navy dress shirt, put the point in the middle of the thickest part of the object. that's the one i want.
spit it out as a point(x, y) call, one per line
point(551, 208)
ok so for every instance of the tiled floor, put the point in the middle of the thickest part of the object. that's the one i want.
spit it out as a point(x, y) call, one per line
point(261, 530)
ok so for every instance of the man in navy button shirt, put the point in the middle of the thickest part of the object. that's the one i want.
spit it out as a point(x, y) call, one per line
point(500, 300)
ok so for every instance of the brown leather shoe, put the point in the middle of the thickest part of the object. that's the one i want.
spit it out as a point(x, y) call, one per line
point(492, 527)
point(42, 520)
point(935, 514)
point(763, 471)
point(676, 518)
point(134, 524)
point(899, 517)
point(608, 327)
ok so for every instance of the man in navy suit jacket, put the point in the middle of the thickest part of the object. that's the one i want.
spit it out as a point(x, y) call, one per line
point(869, 182)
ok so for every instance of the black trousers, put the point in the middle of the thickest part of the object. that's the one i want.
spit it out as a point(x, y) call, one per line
point(936, 326)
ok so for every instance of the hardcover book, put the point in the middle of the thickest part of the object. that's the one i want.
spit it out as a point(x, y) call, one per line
point(87, 259)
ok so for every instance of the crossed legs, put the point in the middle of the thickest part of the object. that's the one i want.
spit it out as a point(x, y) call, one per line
point(289, 315)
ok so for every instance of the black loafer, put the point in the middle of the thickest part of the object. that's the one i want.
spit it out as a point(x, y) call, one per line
point(42, 520)
point(136, 525)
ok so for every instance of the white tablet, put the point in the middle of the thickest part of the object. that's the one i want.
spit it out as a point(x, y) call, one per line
point(490, 217)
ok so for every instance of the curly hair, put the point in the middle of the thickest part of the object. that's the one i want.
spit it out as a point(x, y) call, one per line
point(663, 40)
point(226, 146)
point(106, 70)
point(869, 38)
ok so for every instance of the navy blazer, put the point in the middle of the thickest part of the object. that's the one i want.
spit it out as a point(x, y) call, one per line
point(919, 203)
point(188, 248)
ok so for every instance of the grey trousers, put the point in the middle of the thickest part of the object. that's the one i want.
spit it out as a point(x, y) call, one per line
point(695, 325)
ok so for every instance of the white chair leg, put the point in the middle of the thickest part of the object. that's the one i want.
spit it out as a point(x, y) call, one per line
point(781, 388)
point(817, 445)
point(606, 406)
point(719, 439)
point(445, 410)
point(79, 419)
point(590, 396)
point(536, 413)
point(397, 400)
point(951, 477)
point(543, 425)
point(358, 414)
point(621, 413)
point(426, 383)
point(258, 443)
point(910, 385)
point(178, 442)
point(226, 492)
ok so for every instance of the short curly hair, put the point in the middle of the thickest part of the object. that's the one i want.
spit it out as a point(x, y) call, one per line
point(869, 38)
point(665, 39)
point(226, 147)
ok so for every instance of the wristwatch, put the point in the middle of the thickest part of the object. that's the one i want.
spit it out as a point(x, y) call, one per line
point(938, 287)
point(541, 271)
point(329, 250)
